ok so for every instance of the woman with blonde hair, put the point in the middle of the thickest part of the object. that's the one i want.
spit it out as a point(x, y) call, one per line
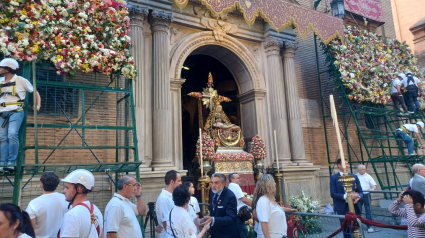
point(271, 220)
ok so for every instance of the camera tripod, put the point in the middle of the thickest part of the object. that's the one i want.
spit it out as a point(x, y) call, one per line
point(151, 215)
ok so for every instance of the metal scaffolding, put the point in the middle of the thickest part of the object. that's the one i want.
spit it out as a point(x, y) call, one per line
point(86, 121)
point(374, 126)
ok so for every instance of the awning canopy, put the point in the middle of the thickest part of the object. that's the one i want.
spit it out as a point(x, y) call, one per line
point(371, 9)
point(280, 14)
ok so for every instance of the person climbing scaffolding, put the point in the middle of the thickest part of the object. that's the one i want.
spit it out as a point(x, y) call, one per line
point(13, 90)
point(403, 133)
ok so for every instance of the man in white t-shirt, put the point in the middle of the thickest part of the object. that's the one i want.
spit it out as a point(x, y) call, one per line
point(121, 214)
point(368, 183)
point(234, 186)
point(84, 219)
point(413, 86)
point(13, 89)
point(47, 211)
point(396, 94)
point(403, 133)
point(165, 202)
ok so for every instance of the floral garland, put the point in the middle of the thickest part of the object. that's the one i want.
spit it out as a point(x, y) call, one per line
point(208, 150)
point(73, 35)
point(258, 148)
point(368, 63)
point(233, 157)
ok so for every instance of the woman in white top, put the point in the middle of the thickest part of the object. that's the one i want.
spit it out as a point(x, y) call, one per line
point(271, 216)
point(182, 225)
point(14, 223)
point(193, 203)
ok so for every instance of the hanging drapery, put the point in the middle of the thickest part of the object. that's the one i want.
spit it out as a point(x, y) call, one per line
point(371, 9)
point(280, 14)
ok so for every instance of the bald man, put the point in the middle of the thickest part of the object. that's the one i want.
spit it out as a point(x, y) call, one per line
point(368, 183)
point(418, 180)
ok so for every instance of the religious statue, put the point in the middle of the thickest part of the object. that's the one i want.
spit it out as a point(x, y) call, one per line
point(218, 125)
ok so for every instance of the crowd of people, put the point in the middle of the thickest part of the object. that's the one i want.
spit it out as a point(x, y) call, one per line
point(71, 214)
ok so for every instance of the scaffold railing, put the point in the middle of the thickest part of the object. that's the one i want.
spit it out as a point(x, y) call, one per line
point(86, 121)
point(368, 131)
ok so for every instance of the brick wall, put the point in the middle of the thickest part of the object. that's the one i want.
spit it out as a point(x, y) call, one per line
point(308, 87)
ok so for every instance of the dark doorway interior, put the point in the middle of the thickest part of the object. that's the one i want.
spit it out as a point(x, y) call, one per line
point(195, 71)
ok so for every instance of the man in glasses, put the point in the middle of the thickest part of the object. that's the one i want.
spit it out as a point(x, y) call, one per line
point(120, 213)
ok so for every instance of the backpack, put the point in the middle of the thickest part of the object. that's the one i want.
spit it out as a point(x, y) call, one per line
point(93, 219)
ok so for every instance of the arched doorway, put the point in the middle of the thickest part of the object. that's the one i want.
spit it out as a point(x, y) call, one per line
point(195, 72)
point(246, 73)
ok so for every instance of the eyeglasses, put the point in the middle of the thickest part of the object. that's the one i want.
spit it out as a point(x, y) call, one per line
point(130, 184)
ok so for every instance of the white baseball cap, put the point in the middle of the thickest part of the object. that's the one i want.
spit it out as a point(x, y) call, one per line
point(408, 72)
point(401, 75)
point(9, 62)
point(421, 124)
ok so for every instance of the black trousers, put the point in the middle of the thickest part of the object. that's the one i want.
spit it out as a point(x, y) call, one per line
point(243, 231)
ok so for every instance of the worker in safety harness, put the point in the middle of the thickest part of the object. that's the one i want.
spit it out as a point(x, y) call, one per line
point(83, 220)
point(13, 89)
point(403, 133)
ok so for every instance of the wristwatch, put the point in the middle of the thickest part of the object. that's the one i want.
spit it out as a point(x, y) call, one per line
point(139, 196)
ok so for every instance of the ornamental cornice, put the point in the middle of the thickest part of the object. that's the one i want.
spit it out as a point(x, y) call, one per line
point(137, 10)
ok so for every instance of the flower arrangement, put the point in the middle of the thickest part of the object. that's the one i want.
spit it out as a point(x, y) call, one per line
point(258, 148)
point(306, 204)
point(208, 151)
point(367, 63)
point(233, 157)
point(73, 35)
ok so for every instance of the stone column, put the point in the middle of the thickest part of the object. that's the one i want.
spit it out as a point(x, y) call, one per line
point(161, 120)
point(176, 117)
point(277, 101)
point(293, 106)
point(138, 15)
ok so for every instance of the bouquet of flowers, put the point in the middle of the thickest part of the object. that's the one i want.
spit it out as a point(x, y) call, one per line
point(306, 204)
point(367, 64)
point(73, 35)
point(208, 151)
point(258, 148)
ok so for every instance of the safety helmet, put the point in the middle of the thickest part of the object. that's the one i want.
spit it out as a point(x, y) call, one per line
point(408, 72)
point(81, 176)
point(9, 62)
point(421, 124)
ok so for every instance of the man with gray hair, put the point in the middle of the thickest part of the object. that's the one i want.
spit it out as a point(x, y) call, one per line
point(223, 206)
point(367, 183)
point(418, 181)
point(120, 213)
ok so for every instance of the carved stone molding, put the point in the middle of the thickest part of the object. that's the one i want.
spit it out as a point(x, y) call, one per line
point(160, 20)
point(199, 39)
point(290, 48)
point(138, 14)
point(256, 51)
point(175, 35)
point(204, 12)
point(272, 46)
point(220, 28)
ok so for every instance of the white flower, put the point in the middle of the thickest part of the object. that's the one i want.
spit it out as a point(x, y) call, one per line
point(13, 3)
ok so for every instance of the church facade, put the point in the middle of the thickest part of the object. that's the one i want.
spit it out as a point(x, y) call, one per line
point(276, 77)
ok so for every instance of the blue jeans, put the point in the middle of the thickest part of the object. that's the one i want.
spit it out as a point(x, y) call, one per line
point(412, 101)
point(9, 137)
point(407, 139)
point(366, 202)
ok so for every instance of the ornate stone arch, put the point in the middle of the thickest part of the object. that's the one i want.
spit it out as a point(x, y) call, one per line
point(196, 40)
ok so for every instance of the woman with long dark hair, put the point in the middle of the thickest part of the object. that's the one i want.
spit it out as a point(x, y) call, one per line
point(193, 203)
point(14, 223)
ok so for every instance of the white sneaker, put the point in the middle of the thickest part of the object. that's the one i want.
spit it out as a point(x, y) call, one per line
point(370, 230)
point(413, 153)
point(410, 112)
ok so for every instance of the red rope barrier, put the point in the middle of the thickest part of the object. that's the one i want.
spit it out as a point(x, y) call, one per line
point(352, 217)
